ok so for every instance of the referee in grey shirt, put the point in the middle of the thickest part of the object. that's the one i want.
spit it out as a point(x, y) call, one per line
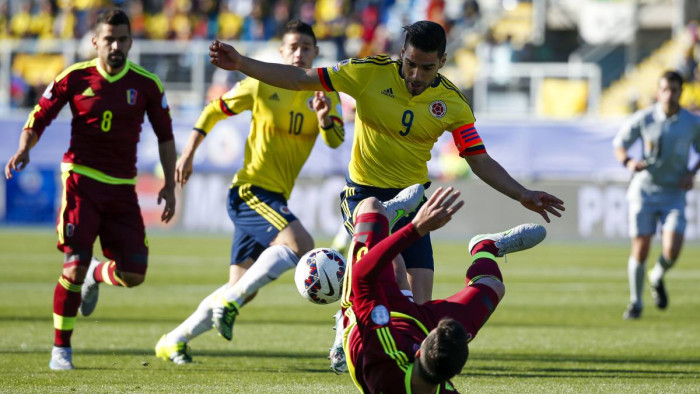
point(659, 183)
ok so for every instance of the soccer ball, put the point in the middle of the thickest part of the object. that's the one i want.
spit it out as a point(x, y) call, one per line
point(319, 276)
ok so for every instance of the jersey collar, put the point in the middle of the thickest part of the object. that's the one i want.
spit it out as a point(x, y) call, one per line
point(113, 78)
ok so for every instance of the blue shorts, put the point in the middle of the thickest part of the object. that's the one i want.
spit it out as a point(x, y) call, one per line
point(419, 254)
point(258, 216)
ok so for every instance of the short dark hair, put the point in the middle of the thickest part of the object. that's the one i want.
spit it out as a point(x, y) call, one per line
point(444, 352)
point(297, 26)
point(427, 36)
point(672, 76)
point(114, 17)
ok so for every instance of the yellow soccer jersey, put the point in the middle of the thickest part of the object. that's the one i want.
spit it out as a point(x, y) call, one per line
point(395, 131)
point(283, 130)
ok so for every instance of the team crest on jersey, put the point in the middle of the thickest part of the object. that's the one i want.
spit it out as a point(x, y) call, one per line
point(438, 108)
point(47, 93)
point(336, 68)
point(380, 315)
point(131, 95)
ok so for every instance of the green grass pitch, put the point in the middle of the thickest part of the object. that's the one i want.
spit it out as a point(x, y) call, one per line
point(559, 328)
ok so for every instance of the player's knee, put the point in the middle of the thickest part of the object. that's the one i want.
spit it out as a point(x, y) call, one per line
point(130, 279)
point(75, 265)
point(370, 205)
point(494, 284)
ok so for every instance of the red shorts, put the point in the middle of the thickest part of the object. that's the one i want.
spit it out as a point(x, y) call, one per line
point(90, 208)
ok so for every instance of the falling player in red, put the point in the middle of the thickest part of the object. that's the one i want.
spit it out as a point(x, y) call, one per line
point(108, 97)
point(395, 345)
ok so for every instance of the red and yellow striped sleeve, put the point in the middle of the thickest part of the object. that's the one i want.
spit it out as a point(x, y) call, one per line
point(468, 141)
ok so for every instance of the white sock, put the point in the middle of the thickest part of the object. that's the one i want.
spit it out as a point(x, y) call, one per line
point(657, 273)
point(635, 273)
point(273, 262)
point(197, 323)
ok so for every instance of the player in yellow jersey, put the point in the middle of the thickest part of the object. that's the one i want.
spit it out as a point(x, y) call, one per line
point(268, 239)
point(403, 106)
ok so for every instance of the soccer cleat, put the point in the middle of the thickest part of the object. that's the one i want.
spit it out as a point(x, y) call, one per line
point(61, 359)
point(178, 353)
point(632, 312)
point(223, 316)
point(658, 293)
point(403, 203)
point(514, 240)
point(90, 290)
point(337, 353)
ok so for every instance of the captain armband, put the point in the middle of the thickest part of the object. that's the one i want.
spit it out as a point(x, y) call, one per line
point(468, 141)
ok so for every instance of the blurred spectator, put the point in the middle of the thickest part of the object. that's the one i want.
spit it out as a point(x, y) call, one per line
point(41, 24)
point(689, 62)
point(158, 25)
point(258, 25)
point(4, 20)
point(20, 22)
point(137, 19)
point(230, 24)
point(498, 55)
point(66, 21)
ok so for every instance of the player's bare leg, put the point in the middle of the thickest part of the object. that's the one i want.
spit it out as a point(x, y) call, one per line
point(635, 273)
point(671, 244)
point(420, 281)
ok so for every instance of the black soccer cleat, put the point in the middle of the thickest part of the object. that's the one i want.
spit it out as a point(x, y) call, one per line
point(658, 293)
point(633, 312)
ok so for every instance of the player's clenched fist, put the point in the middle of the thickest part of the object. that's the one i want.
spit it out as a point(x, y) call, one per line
point(224, 56)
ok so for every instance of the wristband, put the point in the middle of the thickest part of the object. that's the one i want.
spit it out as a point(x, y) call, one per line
point(627, 160)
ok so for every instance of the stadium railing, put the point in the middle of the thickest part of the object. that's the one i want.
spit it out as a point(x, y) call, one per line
point(182, 66)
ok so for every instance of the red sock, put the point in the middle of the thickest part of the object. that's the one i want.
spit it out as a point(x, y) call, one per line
point(487, 246)
point(483, 267)
point(66, 301)
point(106, 272)
point(370, 228)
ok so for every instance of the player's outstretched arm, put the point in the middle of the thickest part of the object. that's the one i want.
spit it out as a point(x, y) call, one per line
point(184, 166)
point(20, 159)
point(498, 178)
point(437, 211)
point(281, 75)
point(167, 193)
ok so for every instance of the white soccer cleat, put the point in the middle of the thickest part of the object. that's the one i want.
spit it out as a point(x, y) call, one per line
point(403, 203)
point(61, 359)
point(337, 353)
point(90, 290)
point(514, 240)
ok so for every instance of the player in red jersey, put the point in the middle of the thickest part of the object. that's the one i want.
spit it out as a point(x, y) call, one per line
point(398, 346)
point(108, 97)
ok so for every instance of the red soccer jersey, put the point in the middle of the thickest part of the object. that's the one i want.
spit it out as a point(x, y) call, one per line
point(390, 328)
point(108, 112)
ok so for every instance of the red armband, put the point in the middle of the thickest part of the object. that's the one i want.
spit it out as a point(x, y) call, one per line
point(325, 79)
point(468, 141)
